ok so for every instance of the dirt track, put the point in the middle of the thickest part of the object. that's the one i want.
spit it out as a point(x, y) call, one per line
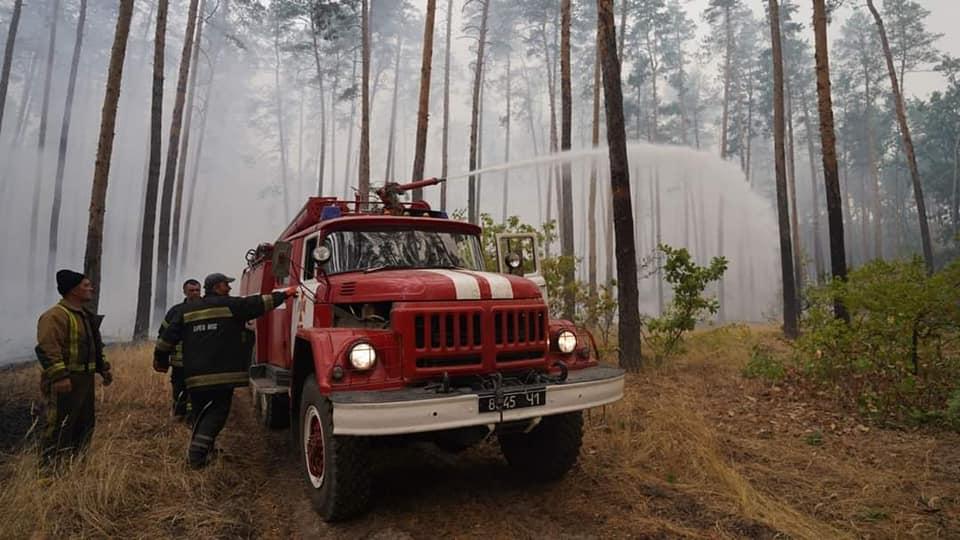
point(693, 451)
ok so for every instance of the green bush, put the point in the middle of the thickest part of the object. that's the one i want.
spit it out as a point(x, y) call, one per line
point(898, 357)
point(763, 364)
point(688, 281)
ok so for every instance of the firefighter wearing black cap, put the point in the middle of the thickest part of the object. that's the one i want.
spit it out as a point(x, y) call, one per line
point(181, 400)
point(70, 351)
point(216, 354)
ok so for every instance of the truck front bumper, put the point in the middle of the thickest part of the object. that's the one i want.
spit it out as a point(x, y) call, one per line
point(417, 410)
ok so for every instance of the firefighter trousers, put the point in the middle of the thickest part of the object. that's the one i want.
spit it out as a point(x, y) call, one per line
point(181, 399)
point(70, 418)
point(211, 407)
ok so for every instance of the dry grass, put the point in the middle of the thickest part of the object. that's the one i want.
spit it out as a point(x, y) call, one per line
point(692, 451)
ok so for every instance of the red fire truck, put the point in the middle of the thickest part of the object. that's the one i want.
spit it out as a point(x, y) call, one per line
point(400, 333)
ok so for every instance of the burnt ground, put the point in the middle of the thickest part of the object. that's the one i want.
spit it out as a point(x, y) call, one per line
point(695, 451)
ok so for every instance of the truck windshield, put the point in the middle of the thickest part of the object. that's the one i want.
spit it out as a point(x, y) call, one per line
point(381, 250)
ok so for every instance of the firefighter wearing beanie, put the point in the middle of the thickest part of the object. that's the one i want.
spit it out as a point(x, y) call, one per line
point(70, 351)
point(217, 349)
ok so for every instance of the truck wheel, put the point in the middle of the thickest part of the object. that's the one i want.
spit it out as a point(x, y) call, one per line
point(548, 451)
point(336, 468)
point(273, 410)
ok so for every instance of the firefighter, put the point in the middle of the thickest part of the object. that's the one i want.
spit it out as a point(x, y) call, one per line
point(70, 351)
point(181, 401)
point(216, 354)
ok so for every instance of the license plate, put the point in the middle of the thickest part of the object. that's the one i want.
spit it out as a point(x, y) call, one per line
point(513, 400)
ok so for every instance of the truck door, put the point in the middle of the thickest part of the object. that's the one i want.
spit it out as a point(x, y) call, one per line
point(278, 321)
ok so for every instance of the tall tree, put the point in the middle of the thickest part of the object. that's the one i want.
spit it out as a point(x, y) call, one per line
point(911, 43)
point(423, 107)
point(907, 141)
point(592, 200)
point(64, 138)
point(101, 173)
point(828, 145)
point(627, 293)
point(720, 14)
point(42, 133)
point(170, 167)
point(472, 203)
point(857, 52)
point(141, 326)
point(185, 143)
point(787, 275)
point(444, 148)
point(8, 56)
point(566, 128)
point(364, 174)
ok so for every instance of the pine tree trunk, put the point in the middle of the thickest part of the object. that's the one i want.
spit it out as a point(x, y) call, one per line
point(281, 129)
point(64, 138)
point(907, 142)
point(658, 240)
point(479, 190)
point(628, 294)
point(323, 106)
point(101, 173)
point(475, 115)
point(423, 107)
point(170, 168)
point(506, 146)
point(194, 174)
point(364, 173)
point(185, 144)
point(874, 169)
point(347, 165)
point(592, 198)
point(728, 52)
point(721, 298)
point(787, 275)
point(792, 190)
point(445, 139)
point(811, 153)
point(566, 128)
point(391, 137)
point(748, 169)
point(42, 141)
point(25, 102)
point(828, 147)
point(141, 326)
point(528, 105)
point(8, 56)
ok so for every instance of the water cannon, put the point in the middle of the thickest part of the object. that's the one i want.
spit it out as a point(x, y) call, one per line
point(391, 191)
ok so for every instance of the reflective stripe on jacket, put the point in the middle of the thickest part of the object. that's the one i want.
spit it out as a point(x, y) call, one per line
point(217, 347)
point(68, 340)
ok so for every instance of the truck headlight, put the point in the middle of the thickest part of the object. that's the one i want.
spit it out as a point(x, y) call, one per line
point(566, 341)
point(362, 356)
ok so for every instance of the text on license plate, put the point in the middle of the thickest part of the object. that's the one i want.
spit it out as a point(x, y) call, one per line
point(513, 400)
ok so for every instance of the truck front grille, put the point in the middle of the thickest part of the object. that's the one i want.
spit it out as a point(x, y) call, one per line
point(470, 338)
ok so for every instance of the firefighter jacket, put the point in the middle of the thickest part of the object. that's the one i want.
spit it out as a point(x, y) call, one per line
point(217, 347)
point(68, 340)
point(176, 357)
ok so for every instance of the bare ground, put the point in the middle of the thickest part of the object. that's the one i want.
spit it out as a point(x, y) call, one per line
point(695, 450)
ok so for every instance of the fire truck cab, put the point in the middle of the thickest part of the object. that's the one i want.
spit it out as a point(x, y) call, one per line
point(399, 332)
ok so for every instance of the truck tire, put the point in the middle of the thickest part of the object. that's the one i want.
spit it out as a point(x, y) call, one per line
point(273, 410)
point(336, 468)
point(548, 451)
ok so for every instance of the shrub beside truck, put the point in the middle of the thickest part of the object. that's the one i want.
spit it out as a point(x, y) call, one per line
point(400, 334)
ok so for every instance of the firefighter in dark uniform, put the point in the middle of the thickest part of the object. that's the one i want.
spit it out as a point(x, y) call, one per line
point(70, 351)
point(181, 400)
point(216, 354)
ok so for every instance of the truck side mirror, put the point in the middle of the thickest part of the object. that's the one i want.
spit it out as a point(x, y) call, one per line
point(280, 260)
